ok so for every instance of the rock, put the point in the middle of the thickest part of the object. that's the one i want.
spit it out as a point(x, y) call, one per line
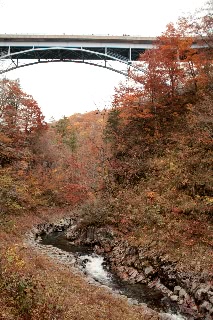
point(204, 276)
point(182, 294)
point(130, 260)
point(165, 316)
point(133, 301)
point(205, 306)
point(149, 271)
point(133, 274)
point(154, 283)
point(124, 276)
point(194, 308)
point(164, 289)
point(72, 233)
point(211, 299)
point(210, 293)
point(90, 235)
point(177, 289)
point(194, 286)
point(201, 293)
point(140, 278)
point(174, 297)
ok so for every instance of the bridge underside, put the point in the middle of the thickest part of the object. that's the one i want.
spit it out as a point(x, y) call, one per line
point(86, 53)
point(20, 56)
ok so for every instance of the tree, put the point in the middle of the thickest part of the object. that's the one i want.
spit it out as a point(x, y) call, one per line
point(21, 121)
point(200, 24)
point(145, 112)
point(66, 133)
point(19, 112)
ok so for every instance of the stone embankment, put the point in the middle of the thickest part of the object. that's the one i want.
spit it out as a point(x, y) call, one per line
point(192, 292)
point(33, 239)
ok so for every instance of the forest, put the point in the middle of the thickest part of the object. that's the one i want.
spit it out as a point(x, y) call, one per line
point(142, 167)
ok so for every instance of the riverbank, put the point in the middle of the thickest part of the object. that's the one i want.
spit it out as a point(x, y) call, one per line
point(42, 288)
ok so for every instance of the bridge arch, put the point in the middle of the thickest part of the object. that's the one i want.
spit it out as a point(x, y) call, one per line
point(32, 56)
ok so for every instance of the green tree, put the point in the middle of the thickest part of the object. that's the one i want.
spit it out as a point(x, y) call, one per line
point(67, 133)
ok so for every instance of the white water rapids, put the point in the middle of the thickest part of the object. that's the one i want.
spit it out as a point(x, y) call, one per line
point(168, 316)
point(93, 267)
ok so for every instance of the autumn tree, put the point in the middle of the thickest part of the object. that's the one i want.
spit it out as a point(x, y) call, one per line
point(21, 121)
point(91, 152)
point(156, 102)
point(19, 112)
point(66, 133)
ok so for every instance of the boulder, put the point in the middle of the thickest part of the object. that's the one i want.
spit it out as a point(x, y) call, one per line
point(174, 298)
point(140, 278)
point(148, 271)
point(201, 293)
point(177, 289)
point(182, 294)
point(206, 306)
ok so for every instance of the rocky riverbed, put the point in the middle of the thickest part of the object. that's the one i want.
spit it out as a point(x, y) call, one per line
point(193, 293)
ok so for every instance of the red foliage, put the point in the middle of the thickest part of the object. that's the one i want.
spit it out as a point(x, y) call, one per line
point(19, 112)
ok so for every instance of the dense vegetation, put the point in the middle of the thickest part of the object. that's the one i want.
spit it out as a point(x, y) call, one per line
point(144, 167)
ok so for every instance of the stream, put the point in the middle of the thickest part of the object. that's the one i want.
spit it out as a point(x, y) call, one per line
point(95, 266)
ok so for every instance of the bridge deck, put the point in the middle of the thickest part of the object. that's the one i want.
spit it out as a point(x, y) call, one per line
point(125, 46)
point(79, 38)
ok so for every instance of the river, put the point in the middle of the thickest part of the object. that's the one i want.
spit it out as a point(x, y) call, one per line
point(96, 267)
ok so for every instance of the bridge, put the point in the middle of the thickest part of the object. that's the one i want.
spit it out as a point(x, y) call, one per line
point(18, 50)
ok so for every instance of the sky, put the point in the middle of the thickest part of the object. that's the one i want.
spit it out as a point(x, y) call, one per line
point(62, 89)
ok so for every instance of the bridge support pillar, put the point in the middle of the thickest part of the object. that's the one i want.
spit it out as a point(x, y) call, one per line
point(130, 54)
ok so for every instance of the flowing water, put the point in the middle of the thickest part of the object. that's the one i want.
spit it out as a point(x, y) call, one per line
point(95, 266)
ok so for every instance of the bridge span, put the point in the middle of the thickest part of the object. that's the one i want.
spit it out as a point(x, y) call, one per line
point(20, 50)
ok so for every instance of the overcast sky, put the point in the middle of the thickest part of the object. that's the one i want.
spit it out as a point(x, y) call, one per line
point(66, 88)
